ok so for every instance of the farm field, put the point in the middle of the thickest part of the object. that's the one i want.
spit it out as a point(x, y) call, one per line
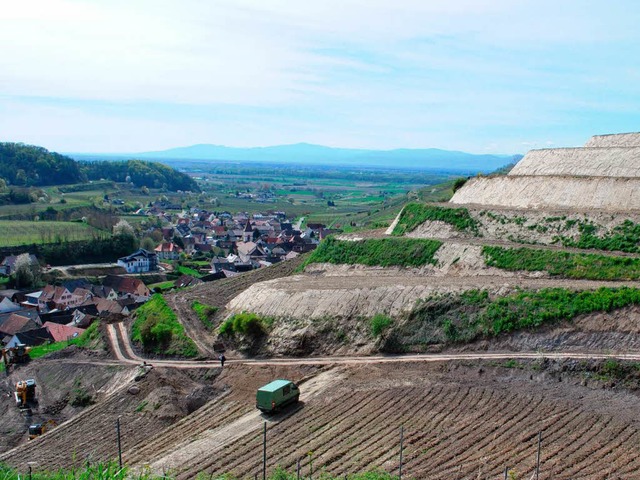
point(339, 197)
point(17, 232)
point(462, 420)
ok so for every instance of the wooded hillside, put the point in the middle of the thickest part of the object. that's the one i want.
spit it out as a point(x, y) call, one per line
point(29, 165)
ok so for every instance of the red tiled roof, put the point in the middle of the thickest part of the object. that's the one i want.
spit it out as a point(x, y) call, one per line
point(14, 324)
point(62, 332)
point(122, 284)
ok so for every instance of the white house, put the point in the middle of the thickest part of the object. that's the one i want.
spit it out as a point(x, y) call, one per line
point(140, 261)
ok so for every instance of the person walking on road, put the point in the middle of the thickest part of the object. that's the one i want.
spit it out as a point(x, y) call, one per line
point(222, 359)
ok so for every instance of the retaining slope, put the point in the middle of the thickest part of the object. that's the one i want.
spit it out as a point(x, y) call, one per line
point(611, 194)
point(619, 162)
point(615, 140)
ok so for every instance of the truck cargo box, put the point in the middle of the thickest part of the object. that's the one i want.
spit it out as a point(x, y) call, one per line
point(276, 395)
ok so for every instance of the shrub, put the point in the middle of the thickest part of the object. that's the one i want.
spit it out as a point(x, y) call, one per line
point(79, 396)
point(379, 324)
point(244, 323)
point(458, 184)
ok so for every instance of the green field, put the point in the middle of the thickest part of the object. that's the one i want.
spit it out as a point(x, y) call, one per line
point(17, 232)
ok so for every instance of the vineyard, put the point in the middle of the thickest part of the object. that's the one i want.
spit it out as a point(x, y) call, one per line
point(16, 232)
point(460, 420)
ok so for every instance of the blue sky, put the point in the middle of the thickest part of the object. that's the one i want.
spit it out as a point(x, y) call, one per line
point(480, 76)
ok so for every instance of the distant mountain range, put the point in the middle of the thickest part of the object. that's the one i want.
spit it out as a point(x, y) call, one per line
point(304, 153)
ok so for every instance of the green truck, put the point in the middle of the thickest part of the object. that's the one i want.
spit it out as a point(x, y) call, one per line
point(277, 394)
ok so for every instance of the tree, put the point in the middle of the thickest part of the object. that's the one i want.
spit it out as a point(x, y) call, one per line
point(27, 272)
point(123, 228)
point(124, 237)
point(148, 244)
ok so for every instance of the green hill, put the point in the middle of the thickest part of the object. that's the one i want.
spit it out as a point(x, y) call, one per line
point(32, 166)
point(141, 174)
point(28, 165)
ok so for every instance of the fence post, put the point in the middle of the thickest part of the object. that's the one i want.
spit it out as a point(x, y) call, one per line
point(401, 442)
point(119, 444)
point(264, 451)
point(538, 456)
point(298, 470)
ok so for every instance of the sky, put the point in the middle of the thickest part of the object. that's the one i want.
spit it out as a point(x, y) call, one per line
point(491, 76)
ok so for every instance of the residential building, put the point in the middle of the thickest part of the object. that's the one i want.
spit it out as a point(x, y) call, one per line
point(139, 261)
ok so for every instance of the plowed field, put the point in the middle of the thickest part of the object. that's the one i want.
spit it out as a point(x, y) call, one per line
point(463, 420)
point(452, 430)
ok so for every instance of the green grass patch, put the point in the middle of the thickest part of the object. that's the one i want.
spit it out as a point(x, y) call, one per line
point(415, 214)
point(384, 252)
point(157, 328)
point(204, 313)
point(182, 270)
point(379, 324)
point(161, 286)
point(90, 338)
point(563, 264)
point(624, 238)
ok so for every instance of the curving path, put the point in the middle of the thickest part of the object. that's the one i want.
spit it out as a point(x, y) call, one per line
point(119, 342)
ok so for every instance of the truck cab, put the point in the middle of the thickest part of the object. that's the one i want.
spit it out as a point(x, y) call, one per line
point(276, 395)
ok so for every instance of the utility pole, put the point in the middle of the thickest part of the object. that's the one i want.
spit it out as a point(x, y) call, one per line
point(538, 456)
point(119, 444)
point(401, 442)
point(264, 451)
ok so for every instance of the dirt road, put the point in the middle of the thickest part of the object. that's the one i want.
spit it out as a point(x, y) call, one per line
point(124, 354)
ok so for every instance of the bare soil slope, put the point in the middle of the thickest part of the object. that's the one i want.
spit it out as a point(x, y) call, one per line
point(147, 405)
point(463, 420)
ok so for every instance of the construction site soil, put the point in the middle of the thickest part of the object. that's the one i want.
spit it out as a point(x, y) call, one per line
point(461, 419)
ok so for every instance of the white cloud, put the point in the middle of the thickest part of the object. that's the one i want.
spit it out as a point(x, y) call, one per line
point(351, 72)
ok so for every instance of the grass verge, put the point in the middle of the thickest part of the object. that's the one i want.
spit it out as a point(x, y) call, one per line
point(460, 318)
point(563, 264)
point(204, 313)
point(415, 214)
point(157, 328)
point(111, 471)
point(384, 252)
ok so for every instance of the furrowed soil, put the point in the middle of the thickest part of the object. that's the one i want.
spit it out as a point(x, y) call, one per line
point(464, 420)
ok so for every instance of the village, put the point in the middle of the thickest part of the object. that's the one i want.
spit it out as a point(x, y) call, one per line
point(231, 244)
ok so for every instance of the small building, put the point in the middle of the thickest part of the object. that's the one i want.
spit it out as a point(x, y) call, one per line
point(61, 333)
point(168, 251)
point(126, 286)
point(139, 262)
point(33, 337)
